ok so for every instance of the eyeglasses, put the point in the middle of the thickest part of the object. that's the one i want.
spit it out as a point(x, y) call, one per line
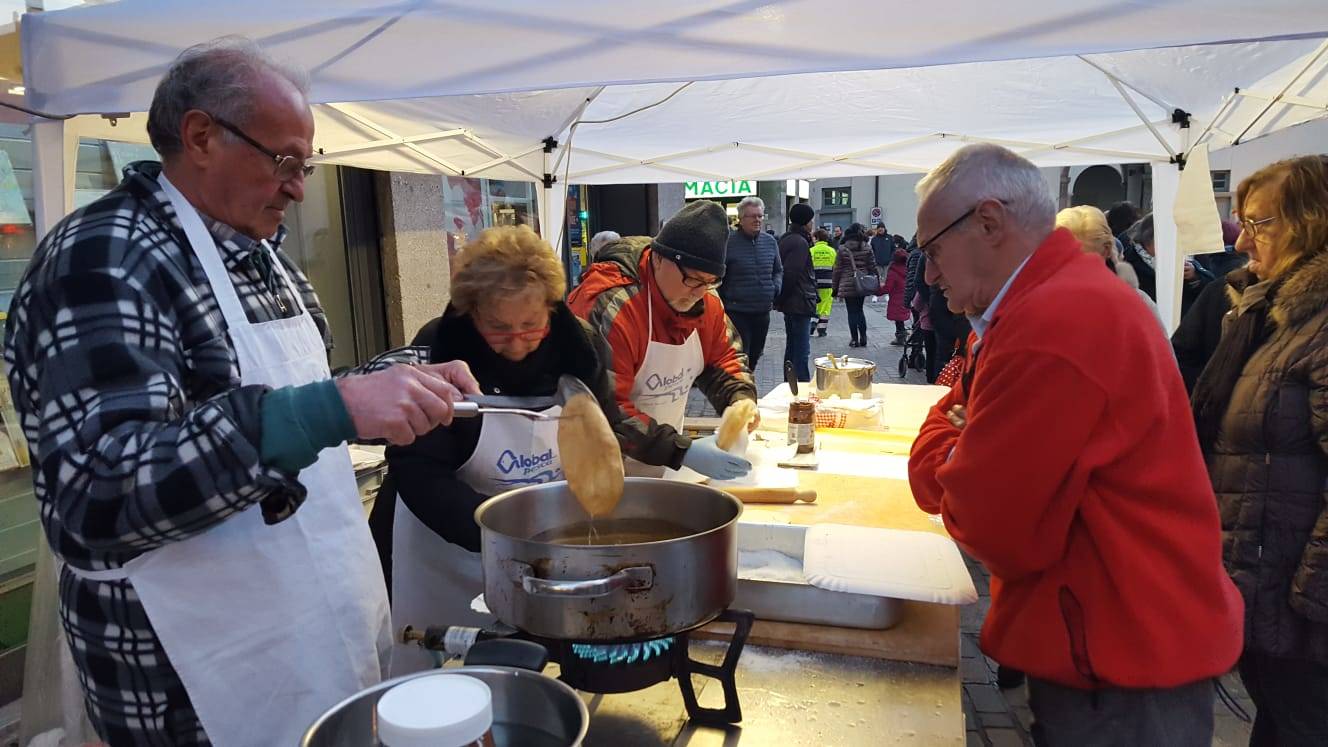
point(690, 281)
point(696, 283)
point(1252, 226)
point(284, 168)
point(925, 247)
point(529, 335)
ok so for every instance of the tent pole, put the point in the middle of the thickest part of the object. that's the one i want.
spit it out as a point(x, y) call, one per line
point(1226, 104)
point(52, 698)
point(386, 133)
point(1166, 187)
point(1164, 105)
point(1273, 102)
point(55, 151)
point(1140, 114)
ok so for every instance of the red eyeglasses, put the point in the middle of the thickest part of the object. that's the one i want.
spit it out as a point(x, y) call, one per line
point(529, 335)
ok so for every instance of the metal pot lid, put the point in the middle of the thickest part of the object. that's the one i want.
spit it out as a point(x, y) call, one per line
point(844, 364)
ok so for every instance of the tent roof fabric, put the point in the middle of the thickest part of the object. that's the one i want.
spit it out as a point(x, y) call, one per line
point(718, 89)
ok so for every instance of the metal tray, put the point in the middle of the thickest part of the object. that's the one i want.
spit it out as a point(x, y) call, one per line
point(784, 601)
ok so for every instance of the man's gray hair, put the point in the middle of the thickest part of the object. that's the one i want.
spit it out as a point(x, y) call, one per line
point(600, 239)
point(984, 171)
point(219, 77)
point(749, 202)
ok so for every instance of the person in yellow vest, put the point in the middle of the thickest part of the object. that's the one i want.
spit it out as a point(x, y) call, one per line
point(823, 261)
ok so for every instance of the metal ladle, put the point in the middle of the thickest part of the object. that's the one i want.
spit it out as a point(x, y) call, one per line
point(526, 407)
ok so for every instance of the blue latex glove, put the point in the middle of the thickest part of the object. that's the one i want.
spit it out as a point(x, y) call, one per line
point(705, 456)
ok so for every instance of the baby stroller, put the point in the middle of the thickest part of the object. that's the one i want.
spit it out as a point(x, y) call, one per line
point(915, 353)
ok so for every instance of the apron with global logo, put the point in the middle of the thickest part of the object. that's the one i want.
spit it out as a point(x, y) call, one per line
point(661, 386)
point(433, 580)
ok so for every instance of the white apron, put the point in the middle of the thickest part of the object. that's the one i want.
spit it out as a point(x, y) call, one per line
point(661, 387)
point(268, 626)
point(433, 580)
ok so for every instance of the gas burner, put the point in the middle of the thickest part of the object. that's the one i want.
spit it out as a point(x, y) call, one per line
point(622, 653)
point(612, 668)
point(619, 667)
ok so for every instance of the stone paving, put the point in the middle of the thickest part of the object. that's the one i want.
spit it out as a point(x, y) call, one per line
point(993, 717)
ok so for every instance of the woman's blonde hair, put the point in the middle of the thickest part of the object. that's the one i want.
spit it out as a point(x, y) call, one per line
point(1300, 206)
point(504, 261)
point(1089, 225)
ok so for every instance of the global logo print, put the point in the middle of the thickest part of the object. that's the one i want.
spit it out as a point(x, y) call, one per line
point(671, 387)
point(528, 469)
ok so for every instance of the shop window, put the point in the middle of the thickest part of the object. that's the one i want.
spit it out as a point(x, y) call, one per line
point(832, 197)
point(1222, 193)
point(513, 203)
point(472, 205)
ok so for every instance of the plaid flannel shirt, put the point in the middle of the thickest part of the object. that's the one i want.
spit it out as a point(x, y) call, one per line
point(128, 391)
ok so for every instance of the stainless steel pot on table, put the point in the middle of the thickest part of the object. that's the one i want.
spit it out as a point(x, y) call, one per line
point(846, 377)
point(529, 710)
point(676, 569)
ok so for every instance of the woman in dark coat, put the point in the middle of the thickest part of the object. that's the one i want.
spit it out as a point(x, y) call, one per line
point(1261, 407)
point(508, 322)
point(854, 258)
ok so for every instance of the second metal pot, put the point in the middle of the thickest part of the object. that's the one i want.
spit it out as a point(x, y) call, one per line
point(852, 376)
point(529, 710)
point(638, 590)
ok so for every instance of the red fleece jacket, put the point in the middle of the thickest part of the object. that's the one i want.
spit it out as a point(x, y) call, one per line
point(1079, 483)
point(613, 299)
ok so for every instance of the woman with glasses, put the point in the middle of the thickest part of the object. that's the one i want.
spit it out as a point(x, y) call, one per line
point(1261, 411)
point(508, 322)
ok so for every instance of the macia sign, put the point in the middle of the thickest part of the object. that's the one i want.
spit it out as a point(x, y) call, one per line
point(740, 188)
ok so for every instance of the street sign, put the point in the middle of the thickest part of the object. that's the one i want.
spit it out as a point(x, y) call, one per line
point(739, 188)
point(876, 216)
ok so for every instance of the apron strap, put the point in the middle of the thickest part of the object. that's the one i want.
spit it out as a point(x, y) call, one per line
point(209, 256)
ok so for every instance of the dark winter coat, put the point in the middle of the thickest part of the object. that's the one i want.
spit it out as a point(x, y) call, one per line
point(753, 273)
point(1269, 466)
point(424, 473)
point(1148, 279)
point(853, 255)
point(883, 248)
point(1201, 328)
point(798, 296)
point(911, 280)
point(948, 326)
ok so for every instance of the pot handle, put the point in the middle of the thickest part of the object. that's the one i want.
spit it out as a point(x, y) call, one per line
point(636, 578)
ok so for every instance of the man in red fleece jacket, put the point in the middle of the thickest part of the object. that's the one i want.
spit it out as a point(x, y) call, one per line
point(1066, 461)
point(654, 302)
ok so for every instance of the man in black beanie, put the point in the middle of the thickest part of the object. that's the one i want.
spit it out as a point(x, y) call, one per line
point(797, 298)
point(666, 329)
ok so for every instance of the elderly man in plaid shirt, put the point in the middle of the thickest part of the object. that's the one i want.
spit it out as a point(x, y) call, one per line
point(169, 363)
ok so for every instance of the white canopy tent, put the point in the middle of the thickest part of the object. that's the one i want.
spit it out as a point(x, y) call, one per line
point(606, 91)
point(622, 91)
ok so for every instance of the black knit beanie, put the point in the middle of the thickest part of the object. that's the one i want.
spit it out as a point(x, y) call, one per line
point(696, 237)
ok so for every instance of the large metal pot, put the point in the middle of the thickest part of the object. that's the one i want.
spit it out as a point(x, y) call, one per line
point(609, 592)
point(851, 376)
point(529, 710)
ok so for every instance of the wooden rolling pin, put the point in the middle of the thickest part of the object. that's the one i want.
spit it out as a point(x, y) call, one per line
point(772, 495)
